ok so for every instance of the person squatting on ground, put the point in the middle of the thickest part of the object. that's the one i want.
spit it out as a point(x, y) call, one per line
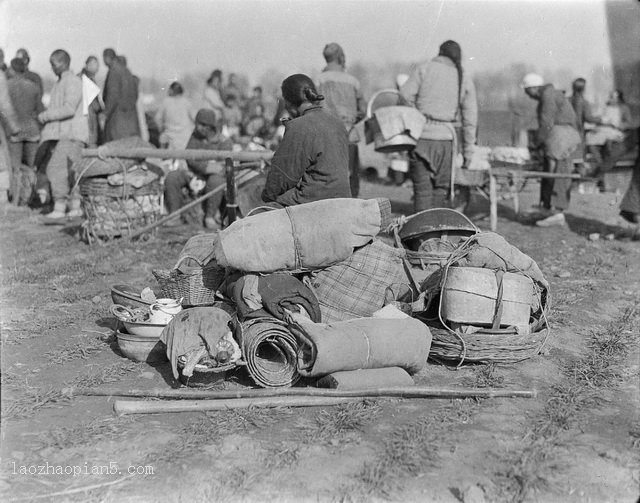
point(120, 96)
point(439, 88)
point(312, 161)
point(206, 135)
point(558, 138)
point(65, 124)
point(26, 97)
point(343, 98)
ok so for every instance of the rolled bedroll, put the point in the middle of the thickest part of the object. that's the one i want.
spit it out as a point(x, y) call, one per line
point(362, 343)
point(304, 237)
point(270, 351)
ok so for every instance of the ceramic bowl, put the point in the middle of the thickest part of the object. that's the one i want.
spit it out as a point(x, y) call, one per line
point(144, 329)
point(141, 349)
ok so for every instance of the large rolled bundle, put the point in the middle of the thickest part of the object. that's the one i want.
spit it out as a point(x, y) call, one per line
point(364, 343)
point(270, 351)
point(307, 236)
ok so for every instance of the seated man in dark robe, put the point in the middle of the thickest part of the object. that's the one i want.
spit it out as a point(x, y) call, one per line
point(206, 135)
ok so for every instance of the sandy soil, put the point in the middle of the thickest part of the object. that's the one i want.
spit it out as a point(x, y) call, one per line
point(579, 440)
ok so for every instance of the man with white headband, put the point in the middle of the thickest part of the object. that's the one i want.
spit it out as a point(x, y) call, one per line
point(558, 138)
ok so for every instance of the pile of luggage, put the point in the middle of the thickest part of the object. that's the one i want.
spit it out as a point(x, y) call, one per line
point(339, 291)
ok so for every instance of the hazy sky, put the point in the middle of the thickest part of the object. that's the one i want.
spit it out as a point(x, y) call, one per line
point(165, 38)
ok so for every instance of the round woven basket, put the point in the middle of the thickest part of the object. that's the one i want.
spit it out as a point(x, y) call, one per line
point(488, 345)
point(113, 211)
point(99, 186)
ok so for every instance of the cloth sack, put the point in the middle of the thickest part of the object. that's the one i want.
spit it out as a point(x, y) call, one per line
point(492, 251)
point(304, 237)
point(356, 287)
point(192, 329)
point(364, 343)
point(367, 379)
point(197, 251)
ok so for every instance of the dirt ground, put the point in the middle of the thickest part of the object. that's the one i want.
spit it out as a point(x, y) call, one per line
point(577, 441)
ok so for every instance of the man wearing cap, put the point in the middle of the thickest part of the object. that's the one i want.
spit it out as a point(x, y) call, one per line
point(558, 138)
point(343, 99)
point(206, 135)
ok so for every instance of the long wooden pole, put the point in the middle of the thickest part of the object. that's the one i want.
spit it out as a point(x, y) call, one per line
point(190, 154)
point(399, 392)
point(122, 407)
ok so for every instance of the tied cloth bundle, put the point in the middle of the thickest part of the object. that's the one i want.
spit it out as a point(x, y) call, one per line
point(363, 343)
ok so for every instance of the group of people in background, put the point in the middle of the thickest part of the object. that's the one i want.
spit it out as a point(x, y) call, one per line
point(237, 115)
point(570, 135)
point(317, 156)
point(51, 139)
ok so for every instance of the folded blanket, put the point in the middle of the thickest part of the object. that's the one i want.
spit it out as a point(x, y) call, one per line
point(364, 343)
point(367, 379)
point(397, 120)
point(277, 293)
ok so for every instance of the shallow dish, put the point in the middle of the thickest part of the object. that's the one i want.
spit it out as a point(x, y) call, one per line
point(128, 296)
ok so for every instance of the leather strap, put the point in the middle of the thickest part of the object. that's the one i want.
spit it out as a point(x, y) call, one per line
point(497, 316)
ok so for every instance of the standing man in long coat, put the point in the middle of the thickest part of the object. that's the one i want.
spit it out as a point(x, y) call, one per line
point(120, 95)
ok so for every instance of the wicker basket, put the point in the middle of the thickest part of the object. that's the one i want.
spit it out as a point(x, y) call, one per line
point(491, 346)
point(113, 211)
point(196, 287)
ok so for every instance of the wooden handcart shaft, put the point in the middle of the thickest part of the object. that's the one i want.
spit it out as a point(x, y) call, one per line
point(187, 154)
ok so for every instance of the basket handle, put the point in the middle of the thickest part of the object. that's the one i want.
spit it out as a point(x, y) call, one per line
point(195, 259)
point(375, 95)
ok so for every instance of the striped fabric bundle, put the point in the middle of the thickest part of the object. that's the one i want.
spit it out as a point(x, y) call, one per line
point(356, 287)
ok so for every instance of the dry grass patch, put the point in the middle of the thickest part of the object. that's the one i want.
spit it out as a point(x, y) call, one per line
point(79, 350)
point(534, 467)
point(86, 433)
